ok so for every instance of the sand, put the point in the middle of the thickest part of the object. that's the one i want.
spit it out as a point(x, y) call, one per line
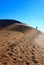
point(21, 46)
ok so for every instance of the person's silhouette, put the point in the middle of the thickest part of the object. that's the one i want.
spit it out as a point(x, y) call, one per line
point(36, 27)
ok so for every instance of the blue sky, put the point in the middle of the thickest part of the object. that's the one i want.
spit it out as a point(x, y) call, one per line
point(30, 12)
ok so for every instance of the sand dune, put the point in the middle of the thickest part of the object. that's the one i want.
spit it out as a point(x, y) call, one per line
point(21, 45)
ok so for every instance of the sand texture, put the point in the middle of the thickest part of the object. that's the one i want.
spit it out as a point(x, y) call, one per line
point(21, 45)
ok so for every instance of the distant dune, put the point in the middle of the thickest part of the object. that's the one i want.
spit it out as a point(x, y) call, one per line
point(20, 44)
point(7, 22)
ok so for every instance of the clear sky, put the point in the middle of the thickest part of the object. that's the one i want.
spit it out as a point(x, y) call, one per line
point(30, 12)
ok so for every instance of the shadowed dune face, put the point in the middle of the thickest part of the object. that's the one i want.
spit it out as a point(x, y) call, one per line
point(19, 28)
point(21, 45)
point(7, 22)
point(13, 25)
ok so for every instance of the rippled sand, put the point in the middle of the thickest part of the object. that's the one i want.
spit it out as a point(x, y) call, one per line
point(21, 46)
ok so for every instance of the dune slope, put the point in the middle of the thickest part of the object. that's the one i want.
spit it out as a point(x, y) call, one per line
point(20, 45)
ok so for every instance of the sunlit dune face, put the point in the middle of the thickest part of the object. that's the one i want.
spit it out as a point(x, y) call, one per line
point(40, 40)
